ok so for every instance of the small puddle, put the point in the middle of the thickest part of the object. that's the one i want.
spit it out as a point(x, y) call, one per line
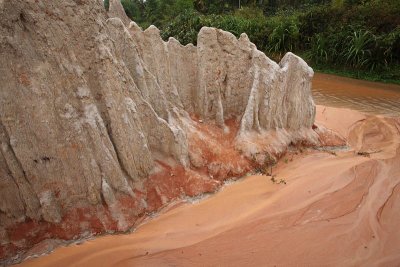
point(370, 97)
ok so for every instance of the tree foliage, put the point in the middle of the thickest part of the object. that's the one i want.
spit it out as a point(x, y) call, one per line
point(357, 34)
point(106, 4)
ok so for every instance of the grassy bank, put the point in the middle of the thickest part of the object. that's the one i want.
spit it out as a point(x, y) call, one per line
point(391, 74)
point(362, 75)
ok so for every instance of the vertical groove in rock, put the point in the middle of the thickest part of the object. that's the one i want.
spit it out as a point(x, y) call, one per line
point(17, 173)
point(93, 100)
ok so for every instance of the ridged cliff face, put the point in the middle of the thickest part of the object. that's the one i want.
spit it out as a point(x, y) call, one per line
point(102, 123)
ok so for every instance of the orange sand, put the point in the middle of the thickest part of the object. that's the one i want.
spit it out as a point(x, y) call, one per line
point(335, 210)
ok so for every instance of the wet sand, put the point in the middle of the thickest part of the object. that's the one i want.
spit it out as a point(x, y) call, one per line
point(337, 208)
point(365, 96)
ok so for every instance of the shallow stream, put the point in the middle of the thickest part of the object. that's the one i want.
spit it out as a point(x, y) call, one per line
point(365, 96)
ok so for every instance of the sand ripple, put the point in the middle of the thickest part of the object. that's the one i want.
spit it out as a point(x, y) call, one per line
point(335, 210)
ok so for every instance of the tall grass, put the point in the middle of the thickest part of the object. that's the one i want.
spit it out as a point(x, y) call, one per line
point(285, 35)
point(358, 51)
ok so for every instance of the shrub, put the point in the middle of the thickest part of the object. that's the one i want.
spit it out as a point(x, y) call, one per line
point(284, 36)
point(184, 27)
point(354, 35)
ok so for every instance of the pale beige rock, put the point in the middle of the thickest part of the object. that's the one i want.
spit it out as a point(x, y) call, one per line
point(88, 99)
point(116, 9)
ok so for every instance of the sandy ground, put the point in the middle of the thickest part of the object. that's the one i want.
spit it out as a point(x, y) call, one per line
point(337, 209)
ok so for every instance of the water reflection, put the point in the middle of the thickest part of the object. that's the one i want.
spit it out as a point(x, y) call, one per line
point(370, 97)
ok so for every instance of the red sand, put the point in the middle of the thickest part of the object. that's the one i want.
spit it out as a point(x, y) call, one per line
point(218, 160)
point(335, 210)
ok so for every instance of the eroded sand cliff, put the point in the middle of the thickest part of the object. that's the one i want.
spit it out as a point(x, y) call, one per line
point(337, 208)
point(102, 123)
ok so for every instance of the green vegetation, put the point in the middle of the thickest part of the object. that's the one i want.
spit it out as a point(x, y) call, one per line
point(356, 38)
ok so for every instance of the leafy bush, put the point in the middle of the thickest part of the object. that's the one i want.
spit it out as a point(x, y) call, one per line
point(356, 35)
point(106, 4)
point(184, 27)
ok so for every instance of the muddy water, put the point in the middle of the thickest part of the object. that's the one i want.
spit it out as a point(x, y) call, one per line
point(370, 97)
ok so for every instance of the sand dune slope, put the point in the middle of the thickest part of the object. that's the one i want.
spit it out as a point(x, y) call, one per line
point(337, 209)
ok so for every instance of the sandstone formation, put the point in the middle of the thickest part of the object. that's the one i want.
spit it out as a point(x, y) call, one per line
point(338, 208)
point(102, 123)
